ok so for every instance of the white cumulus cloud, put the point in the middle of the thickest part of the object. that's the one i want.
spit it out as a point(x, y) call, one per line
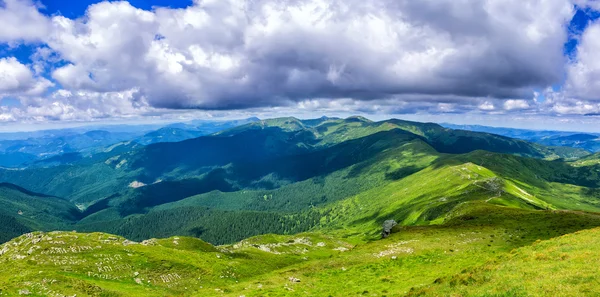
point(18, 79)
point(381, 56)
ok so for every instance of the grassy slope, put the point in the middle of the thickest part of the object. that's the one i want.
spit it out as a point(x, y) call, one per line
point(370, 170)
point(426, 197)
point(392, 163)
point(288, 203)
point(475, 241)
point(377, 187)
point(418, 256)
point(98, 177)
point(459, 212)
point(442, 139)
point(104, 174)
point(423, 254)
point(590, 160)
point(285, 192)
point(558, 267)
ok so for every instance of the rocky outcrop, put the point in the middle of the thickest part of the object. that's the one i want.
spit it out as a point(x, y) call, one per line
point(387, 228)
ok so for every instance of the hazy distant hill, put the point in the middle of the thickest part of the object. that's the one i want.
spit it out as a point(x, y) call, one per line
point(298, 206)
point(22, 149)
point(586, 141)
point(280, 170)
point(23, 211)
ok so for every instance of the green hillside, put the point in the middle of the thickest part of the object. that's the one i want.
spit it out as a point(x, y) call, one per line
point(331, 131)
point(478, 249)
point(289, 207)
point(287, 176)
point(557, 267)
point(22, 211)
point(114, 169)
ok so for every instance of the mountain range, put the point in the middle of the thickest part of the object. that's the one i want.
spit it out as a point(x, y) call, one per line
point(295, 207)
point(24, 149)
point(587, 141)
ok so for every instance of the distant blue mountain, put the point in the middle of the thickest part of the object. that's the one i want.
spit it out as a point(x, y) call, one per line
point(62, 146)
point(587, 141)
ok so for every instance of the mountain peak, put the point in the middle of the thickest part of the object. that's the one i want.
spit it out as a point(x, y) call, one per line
point(358, 119)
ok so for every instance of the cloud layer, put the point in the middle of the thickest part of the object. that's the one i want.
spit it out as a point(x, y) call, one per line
point(382, 56)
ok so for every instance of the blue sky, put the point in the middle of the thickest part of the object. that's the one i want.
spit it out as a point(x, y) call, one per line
point(76, 8)
point(515, 63)
point(582, 18)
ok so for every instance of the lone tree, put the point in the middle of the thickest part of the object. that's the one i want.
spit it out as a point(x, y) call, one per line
point(387, 228)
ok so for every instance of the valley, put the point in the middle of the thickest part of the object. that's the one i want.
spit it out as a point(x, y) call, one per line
point(289, 207)
point(275, 148)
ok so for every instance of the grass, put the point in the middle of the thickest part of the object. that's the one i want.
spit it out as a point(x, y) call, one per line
point(558, 267)
point(330, 167)
point(467, 221)
point(476, 251)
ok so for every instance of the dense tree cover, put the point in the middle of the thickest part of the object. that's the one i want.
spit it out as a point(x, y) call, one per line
point(215, 226)
point(11, 228)
point(22, 211)
point(285, 176)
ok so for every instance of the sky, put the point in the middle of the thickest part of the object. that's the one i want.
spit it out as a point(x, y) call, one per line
point(513, 63)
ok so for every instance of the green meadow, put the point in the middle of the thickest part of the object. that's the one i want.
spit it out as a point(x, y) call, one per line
point(286, 207)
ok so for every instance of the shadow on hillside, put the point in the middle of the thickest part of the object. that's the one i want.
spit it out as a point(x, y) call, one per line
point(402, 172)
point(373, 217)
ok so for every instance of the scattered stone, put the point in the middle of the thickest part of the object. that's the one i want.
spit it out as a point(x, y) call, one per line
point(266, 248)
point(134, 184)
point(152, 241)
point(396, 248)
point(32, 249)
point(24, 292)
point(128, 242)
point(4, 250)
point(138, 281)
point(321, 244)
point(294, 280)
point(387, 228)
